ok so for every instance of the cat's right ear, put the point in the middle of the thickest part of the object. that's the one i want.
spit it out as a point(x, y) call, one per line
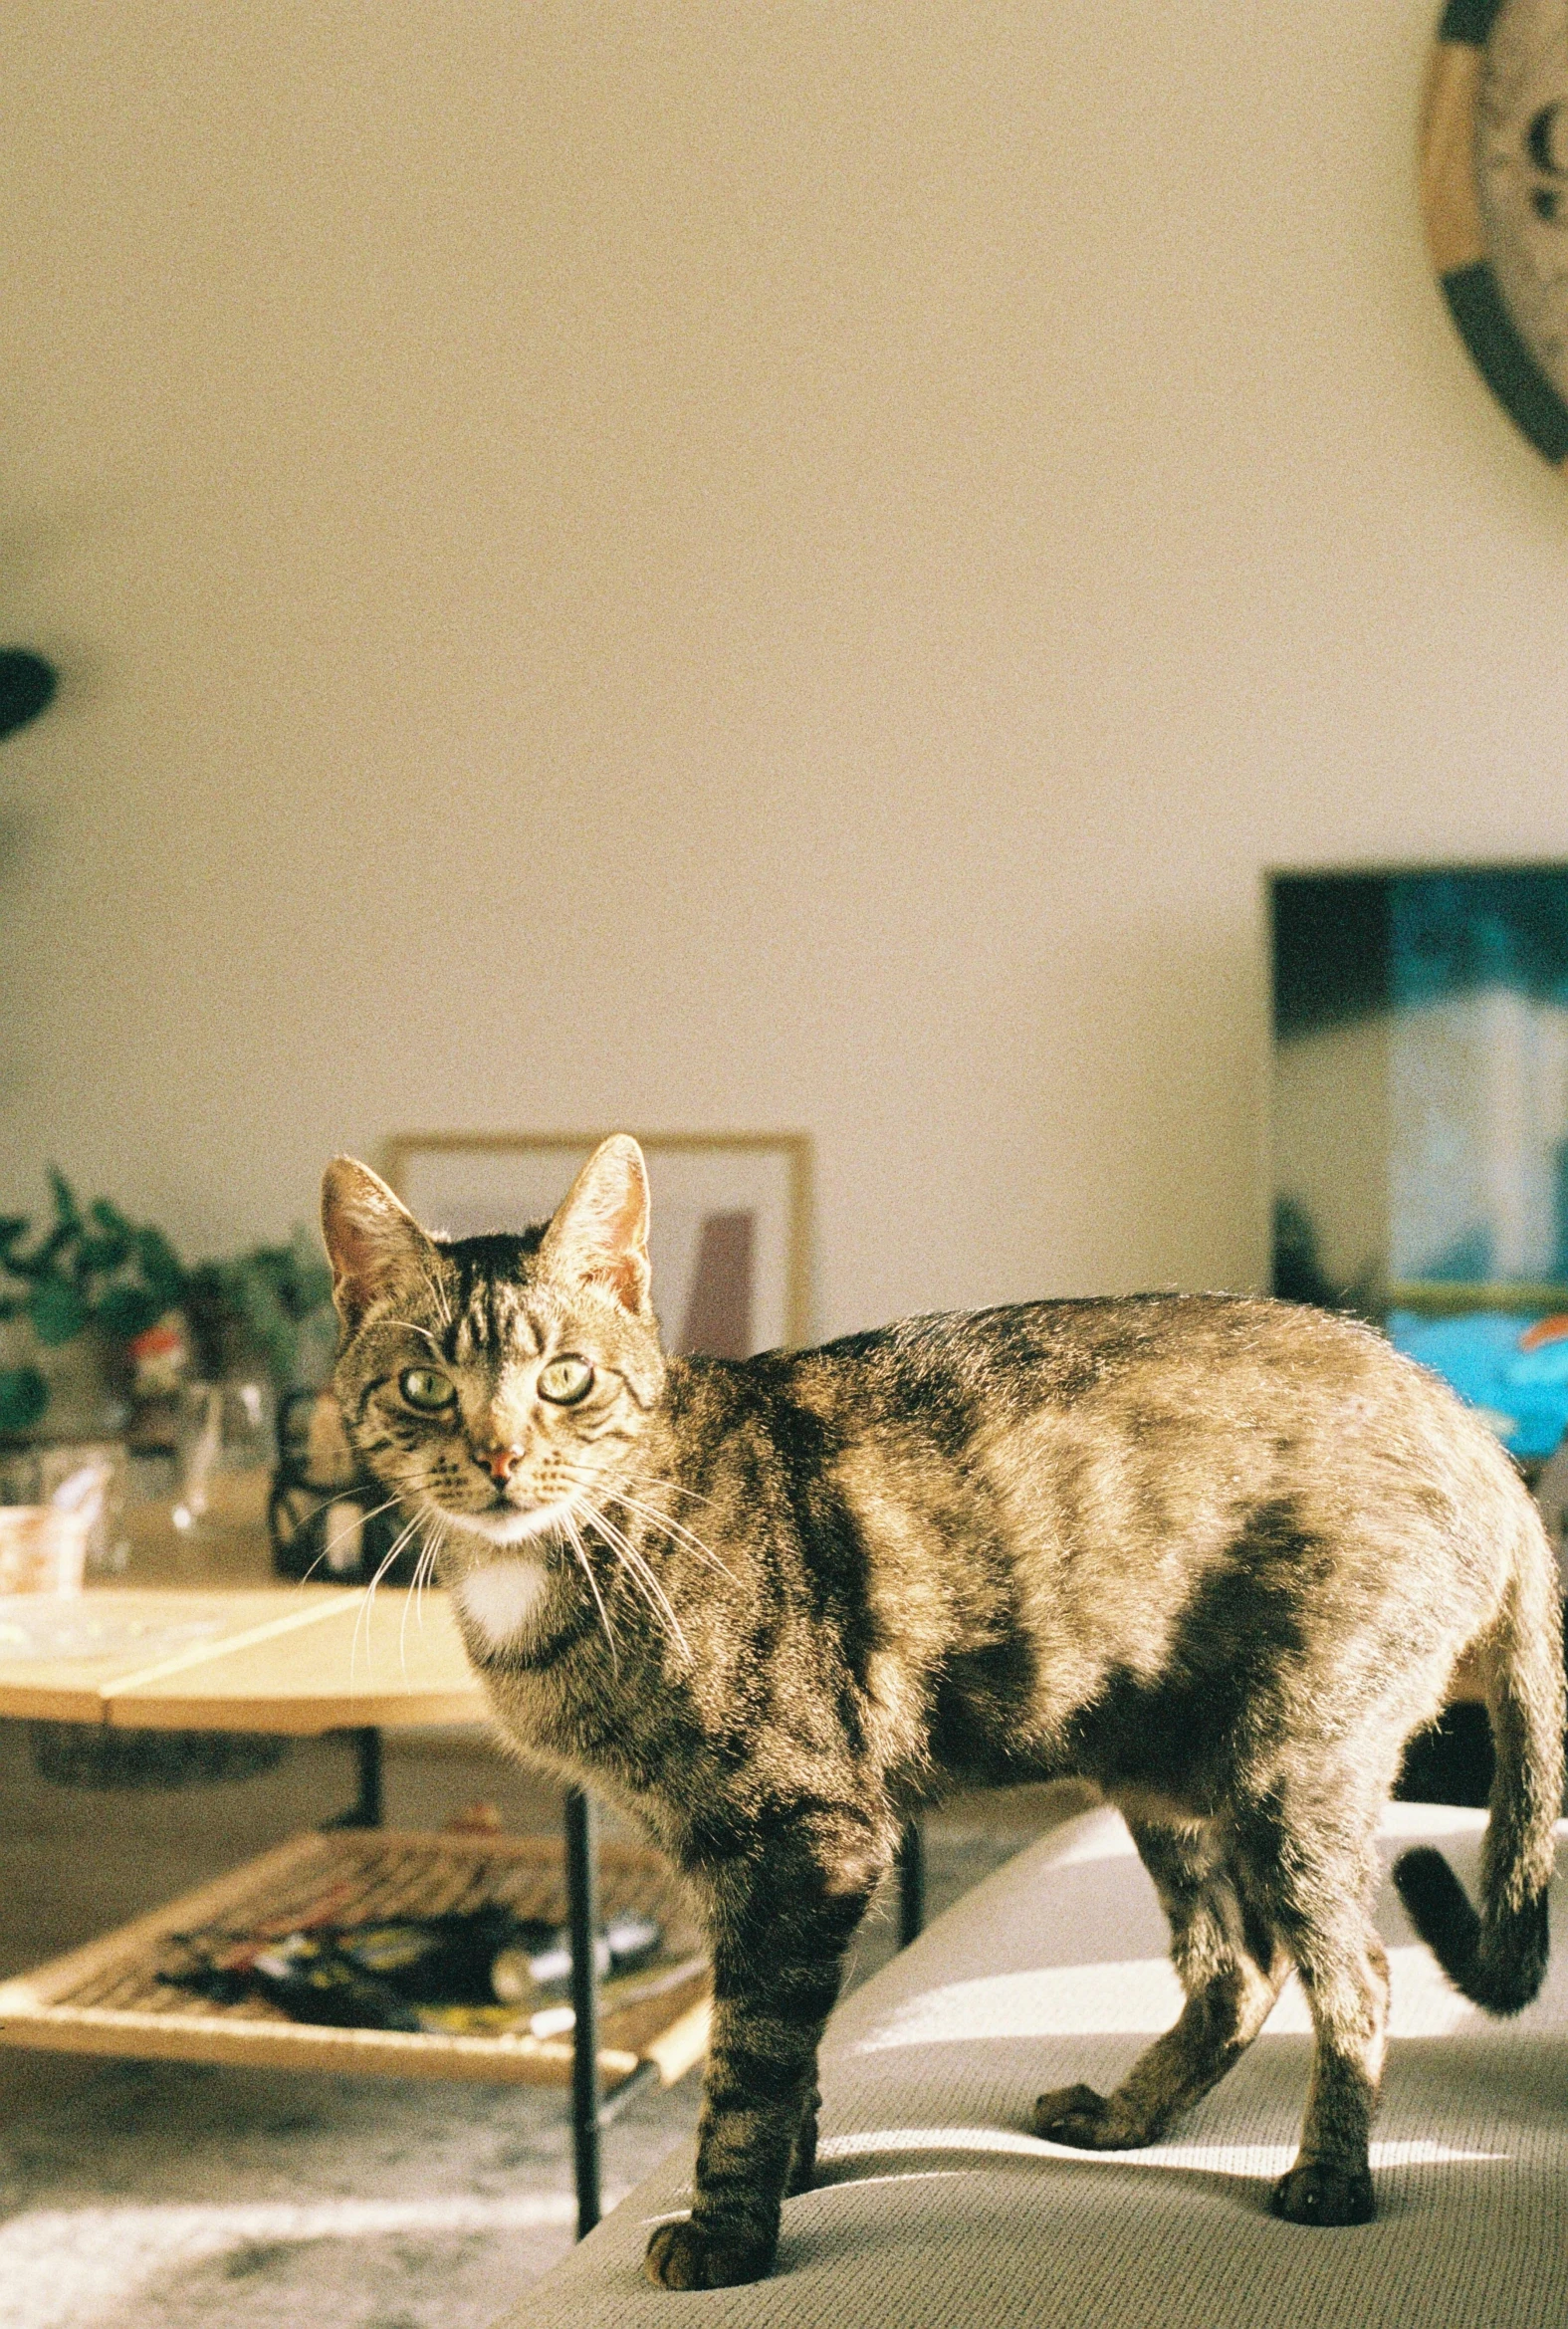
point(372, 1240)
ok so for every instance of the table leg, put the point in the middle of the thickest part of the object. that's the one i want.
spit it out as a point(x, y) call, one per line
point(911, 1883)
point(582, 1900)
point(369, 1808)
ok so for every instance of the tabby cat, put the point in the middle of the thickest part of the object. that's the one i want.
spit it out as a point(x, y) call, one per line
point(1219, 1555)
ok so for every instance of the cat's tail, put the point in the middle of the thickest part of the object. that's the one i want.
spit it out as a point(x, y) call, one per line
point(1498, 1959)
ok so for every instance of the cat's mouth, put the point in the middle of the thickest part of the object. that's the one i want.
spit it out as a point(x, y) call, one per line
point(503, 1522)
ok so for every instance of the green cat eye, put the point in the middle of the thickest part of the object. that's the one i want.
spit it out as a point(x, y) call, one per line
point(423, 1389)
point(566, 1380)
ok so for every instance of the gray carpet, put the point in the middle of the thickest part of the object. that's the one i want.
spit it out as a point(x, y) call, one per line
point(159, 2196)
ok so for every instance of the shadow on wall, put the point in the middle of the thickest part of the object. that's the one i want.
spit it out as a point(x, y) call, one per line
point(27, 687)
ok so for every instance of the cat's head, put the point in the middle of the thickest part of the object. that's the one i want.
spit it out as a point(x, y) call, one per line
point(496, 1383)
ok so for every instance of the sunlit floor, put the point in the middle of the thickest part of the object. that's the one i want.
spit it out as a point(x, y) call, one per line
point(156, 2196)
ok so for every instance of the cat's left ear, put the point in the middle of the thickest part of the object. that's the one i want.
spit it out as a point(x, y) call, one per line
point(372, 1240)
point(600, 1235)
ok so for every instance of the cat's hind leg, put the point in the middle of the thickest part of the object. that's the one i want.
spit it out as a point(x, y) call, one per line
point(1231, 1967)
point(1314, 1864)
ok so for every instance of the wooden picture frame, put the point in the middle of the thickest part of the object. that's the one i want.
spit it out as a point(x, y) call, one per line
point(731, 1218)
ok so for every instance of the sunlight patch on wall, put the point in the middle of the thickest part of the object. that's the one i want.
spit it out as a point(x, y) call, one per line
point(1134, 1996)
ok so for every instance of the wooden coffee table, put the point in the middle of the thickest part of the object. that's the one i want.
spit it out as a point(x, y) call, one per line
point(211, 1644)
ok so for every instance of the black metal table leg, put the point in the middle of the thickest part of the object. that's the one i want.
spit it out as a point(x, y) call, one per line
point(368, 1810)
point(911, 1883)
point(372, 1806)
point(582, 1903)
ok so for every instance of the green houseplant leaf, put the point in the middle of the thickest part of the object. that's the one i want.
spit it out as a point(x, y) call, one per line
point(57, 1311)
point(128, 1310)
point(93, 1269)
point(161, 1268)
point(24, 1394)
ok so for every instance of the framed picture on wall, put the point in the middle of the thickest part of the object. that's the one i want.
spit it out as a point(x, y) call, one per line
point(729, 1231)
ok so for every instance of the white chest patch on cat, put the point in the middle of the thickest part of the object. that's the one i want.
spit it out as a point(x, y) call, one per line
point(501, 1599)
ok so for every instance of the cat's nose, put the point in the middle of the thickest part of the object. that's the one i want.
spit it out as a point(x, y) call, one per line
point(502, 1462)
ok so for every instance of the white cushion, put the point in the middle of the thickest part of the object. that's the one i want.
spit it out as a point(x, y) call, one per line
point(936, 2208)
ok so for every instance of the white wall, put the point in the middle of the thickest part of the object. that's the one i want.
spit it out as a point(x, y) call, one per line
point(732, 564)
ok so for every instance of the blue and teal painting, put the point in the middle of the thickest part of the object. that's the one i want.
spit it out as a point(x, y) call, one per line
point(1421, 1121)
point(1514, 1369)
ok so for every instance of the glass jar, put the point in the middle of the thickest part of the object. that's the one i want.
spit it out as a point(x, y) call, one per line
point(71, 1475)
point(223, 1455)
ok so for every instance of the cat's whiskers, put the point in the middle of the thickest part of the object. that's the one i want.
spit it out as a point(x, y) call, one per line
point(425, 1562)
point(341, 1535)
point(675, 1529)
point(582, 1551)
point(638, 1570)
point(425, 1574)
point(592, 1513)
point(658, 1480)
point(402, 1630)
point(362, 1614)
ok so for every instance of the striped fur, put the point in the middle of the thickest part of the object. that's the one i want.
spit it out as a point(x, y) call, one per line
point(1219, 1555)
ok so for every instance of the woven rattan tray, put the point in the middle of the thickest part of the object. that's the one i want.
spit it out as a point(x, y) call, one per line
point(106, 1999)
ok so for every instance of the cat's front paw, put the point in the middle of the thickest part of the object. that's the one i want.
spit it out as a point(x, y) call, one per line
point(1076, 2115)
point(685, 2255)
point(1317, 2191)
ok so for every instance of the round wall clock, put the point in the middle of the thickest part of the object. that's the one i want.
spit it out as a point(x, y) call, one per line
point(1494, 190)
